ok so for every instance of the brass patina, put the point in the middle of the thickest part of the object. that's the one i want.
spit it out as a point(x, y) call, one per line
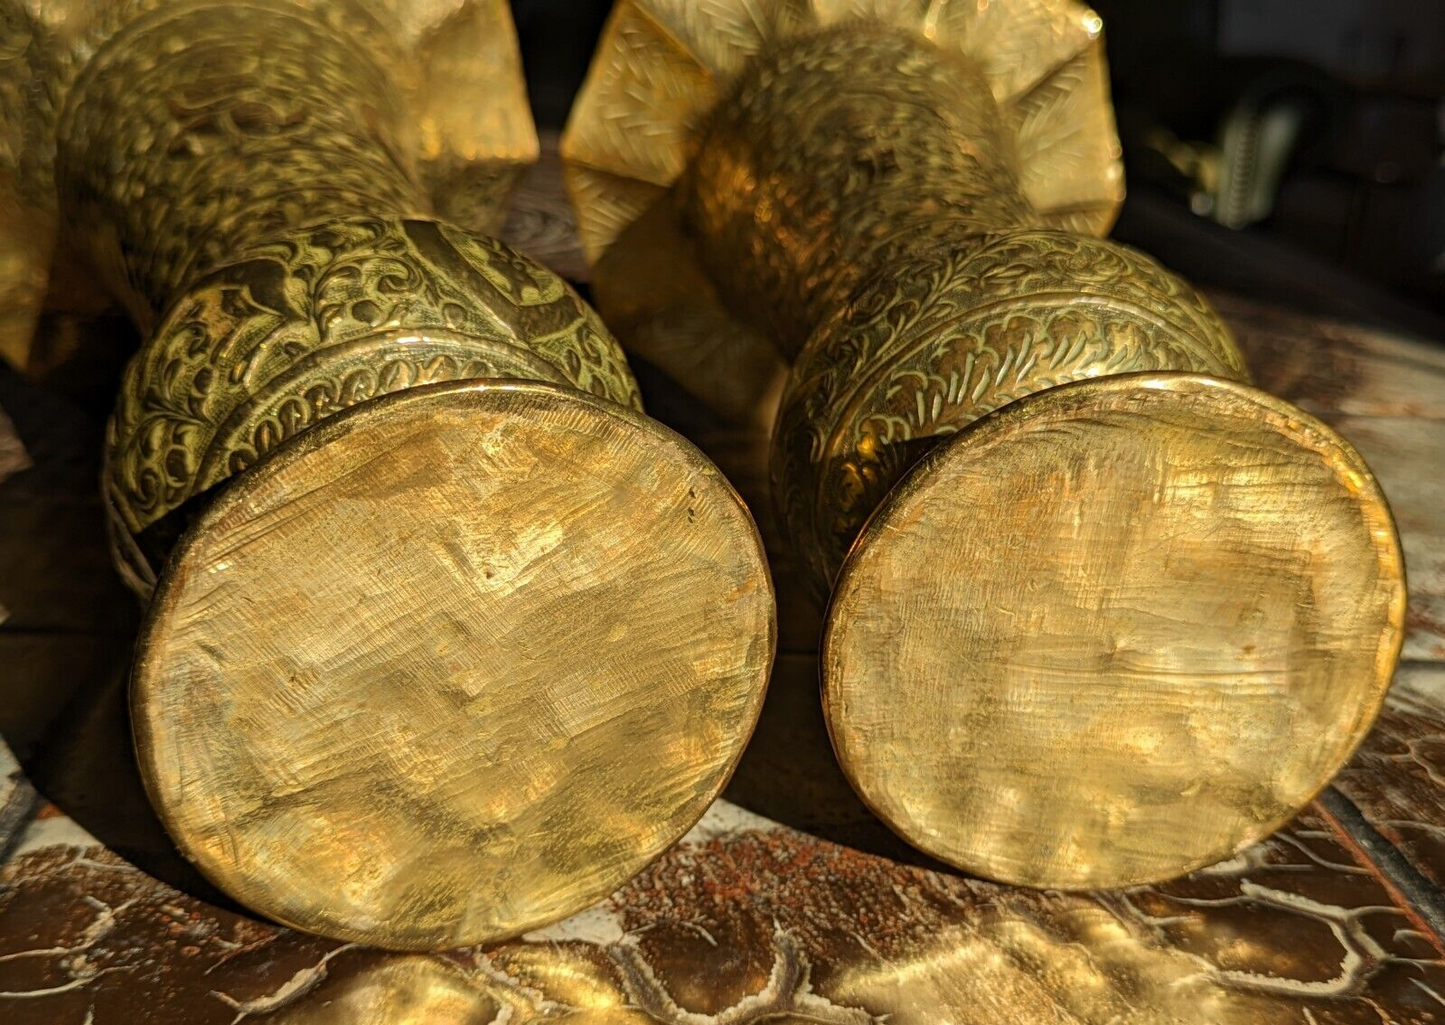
point(447, 639)
point(1135, 613)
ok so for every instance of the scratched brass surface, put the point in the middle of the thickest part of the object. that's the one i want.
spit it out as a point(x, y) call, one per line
point(317, 320)
point(1077, 693)
point(523, 665)
point(965, 333)
point(1386, 393)
point(909, 222)
point(438, 664)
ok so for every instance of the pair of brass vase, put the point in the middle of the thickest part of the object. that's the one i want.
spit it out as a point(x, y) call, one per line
point(466, 639)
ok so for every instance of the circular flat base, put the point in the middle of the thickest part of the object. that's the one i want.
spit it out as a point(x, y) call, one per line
point(1116, 631)
point(453, 664)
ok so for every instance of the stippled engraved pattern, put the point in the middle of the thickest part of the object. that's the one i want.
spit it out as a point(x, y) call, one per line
point(918, 356)
point(327, 317)
point(160, 120)
point(244, 175)
point(835, 154)
point(661, 68)
point(438, 58)
point(857, 195)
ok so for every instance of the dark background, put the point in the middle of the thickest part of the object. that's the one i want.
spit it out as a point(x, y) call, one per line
point(1288, 149)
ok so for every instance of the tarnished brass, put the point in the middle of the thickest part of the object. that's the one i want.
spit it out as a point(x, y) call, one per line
point(465, 639)
point(1136, 613)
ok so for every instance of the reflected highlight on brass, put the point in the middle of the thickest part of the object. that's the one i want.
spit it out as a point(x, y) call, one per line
point(1129, 640)
point(447, 639)
point(1127, 615)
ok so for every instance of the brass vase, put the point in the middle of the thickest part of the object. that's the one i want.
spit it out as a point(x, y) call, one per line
point(1101, 612)
point(447, 639)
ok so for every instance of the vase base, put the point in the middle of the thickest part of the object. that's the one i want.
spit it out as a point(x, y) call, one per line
point(452, 664)
point(1113, 632)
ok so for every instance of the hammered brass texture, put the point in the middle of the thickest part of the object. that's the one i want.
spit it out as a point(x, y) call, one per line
point(469, 717)
point(1163, 621)
point(905, 274)
point(431, 661)
point(319, 319)
point(269, 300)
point(966, 332)
point(863, 193)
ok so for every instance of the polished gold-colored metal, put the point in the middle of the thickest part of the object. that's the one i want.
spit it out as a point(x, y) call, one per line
point(518, 669)
point(447, 639)
point(1152, 648)
point(663, 65)
point(1120, 629)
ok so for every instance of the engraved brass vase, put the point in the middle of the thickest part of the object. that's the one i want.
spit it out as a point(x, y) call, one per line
point(1101, 612)
point(447, 638)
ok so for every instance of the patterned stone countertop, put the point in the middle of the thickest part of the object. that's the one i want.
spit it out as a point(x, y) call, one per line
point(788, 903)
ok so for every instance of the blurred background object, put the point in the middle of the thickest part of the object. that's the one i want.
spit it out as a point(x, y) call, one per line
point(1317, 125)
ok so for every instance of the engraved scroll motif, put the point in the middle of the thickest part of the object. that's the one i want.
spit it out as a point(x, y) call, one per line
point(863, 182)
point(326, 318)
point(914, 358)
point(160, 119)
point(244, 176)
